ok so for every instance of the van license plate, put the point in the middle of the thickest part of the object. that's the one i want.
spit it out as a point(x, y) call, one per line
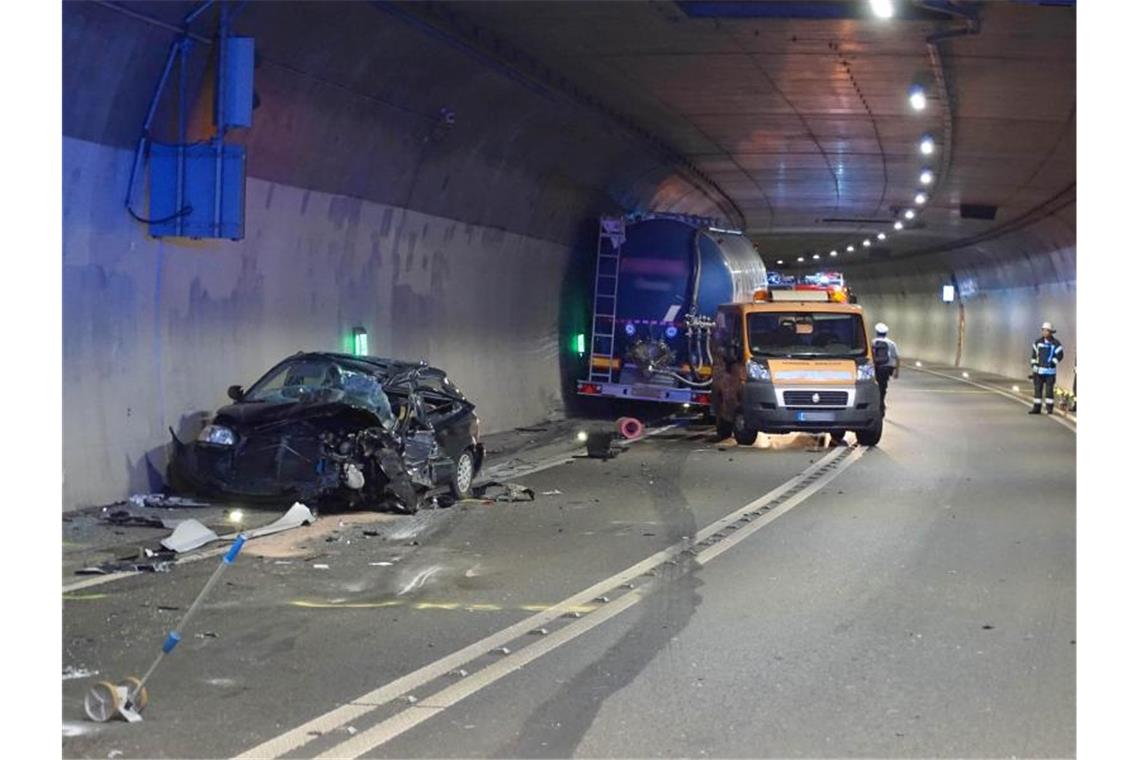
point(815, 416)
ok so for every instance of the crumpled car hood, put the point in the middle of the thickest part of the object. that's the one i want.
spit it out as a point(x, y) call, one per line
point(250, 415)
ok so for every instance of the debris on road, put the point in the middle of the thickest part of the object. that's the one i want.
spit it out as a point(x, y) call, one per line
point(124, 518)
point(189, 535)
point(206, 635)
point(297, 516)
point(158, 500)
point(555, 492)
point(107, 568)
point(70, 673)
point(504, 492)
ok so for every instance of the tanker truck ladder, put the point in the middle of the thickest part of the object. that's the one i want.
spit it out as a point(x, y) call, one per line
point(611, 236)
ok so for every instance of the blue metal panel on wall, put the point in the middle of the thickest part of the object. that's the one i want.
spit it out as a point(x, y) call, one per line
point(197, 199)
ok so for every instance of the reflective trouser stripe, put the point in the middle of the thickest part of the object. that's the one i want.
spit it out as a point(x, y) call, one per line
point(1048, 401)
point(1036, 401)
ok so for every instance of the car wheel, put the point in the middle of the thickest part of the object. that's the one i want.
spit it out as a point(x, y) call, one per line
point(744, 435)
point(464, 476)
point(870, 436)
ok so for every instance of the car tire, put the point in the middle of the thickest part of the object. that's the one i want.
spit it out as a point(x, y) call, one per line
point(870, 436)
point(464, 477)
point(744, 435)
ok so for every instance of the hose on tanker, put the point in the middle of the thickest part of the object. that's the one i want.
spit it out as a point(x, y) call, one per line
point(680, 378)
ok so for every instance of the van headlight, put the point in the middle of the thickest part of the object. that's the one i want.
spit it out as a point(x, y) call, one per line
point(757, 371)
point(217, 435)
point(865, 372)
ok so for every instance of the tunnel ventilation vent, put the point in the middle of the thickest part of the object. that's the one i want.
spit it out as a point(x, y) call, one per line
point(977, 211)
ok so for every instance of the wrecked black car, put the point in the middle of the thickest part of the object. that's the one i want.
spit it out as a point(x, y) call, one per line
point(337, 430)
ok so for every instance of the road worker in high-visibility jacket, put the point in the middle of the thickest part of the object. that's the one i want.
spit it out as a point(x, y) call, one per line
point(1044, 356)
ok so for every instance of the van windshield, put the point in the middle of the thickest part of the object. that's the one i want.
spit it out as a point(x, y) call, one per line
point(806, 334)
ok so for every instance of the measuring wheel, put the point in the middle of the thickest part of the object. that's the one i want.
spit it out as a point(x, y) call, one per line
point(102, 702)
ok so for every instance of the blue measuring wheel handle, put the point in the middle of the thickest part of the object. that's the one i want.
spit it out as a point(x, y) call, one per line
point(231, 555)
point(172, 640)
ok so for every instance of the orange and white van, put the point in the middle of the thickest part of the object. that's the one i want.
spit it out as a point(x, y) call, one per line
point(795, 361)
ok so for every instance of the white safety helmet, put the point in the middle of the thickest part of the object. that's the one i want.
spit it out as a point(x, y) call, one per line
point(1047, 326)
point(881, 328)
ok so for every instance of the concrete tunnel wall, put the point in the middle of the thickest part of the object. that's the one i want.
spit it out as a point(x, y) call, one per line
point(467, 249)
point(155, 331)
point(1019, 281)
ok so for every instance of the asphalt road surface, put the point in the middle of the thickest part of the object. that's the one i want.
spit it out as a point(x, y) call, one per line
point(912, 599)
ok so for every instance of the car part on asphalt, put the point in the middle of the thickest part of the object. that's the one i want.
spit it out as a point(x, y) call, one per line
point(508, 492)
point(189, 535)
point(129, 697)
point(599, 445)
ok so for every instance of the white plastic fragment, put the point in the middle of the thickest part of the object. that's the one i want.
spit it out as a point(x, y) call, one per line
point(320, 567)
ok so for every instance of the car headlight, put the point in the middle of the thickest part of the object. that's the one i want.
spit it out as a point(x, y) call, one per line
point(865, 372)
point(217, 435)
point(757, 371)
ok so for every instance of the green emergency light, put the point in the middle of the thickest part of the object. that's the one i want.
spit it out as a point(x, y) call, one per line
point(580, 343)
point(359, 341)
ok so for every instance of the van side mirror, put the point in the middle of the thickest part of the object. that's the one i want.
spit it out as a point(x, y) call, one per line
point(235, 392)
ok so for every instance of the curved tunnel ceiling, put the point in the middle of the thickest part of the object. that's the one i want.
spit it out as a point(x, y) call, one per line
point(790, 119)
point(805, 122)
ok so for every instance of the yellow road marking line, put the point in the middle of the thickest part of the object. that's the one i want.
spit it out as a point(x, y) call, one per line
point(81, 597)
point(449, 606)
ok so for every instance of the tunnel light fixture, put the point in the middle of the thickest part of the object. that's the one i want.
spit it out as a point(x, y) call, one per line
point(917, 98)
point(881, 236)
point(867, 243)
point(947, 293)
point(779, 262)
point(909, 213)
point(898, 225)
point(235, 516)
point(918, 364)
point(926, 177)
point(966, 374)
point(359, 341)
point(851, 249)
point(883, 8)
point(920, 198)
point(800, 259)
point(582, 436)
point(926, 145)
point(1016, 389)
point(835, 253)
point(815, 257)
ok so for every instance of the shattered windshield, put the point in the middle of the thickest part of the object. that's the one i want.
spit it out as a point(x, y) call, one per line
point(316, 379)
point(804, 334)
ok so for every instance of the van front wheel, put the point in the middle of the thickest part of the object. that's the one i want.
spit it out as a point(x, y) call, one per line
point(870, 436)
point(744, 435)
